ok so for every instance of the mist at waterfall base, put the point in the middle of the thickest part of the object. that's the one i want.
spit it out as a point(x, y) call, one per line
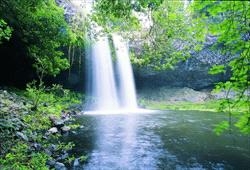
point(110, 81)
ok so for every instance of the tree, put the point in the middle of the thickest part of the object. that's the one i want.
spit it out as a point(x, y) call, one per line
point(119, 15)
point(165, 43)
point(169, 39)
point(41, 26)
point(229, 21)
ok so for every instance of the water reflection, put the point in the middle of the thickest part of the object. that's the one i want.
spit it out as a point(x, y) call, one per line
point(119, 145)
point(169, 140)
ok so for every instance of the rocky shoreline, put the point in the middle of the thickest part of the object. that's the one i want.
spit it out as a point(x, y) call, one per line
point(15, 108)
point(14, 128)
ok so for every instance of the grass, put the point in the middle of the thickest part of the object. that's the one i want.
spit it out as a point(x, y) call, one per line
point(182, 105)
point(210, 105)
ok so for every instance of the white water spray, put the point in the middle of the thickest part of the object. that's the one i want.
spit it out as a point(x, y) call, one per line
point(105, 91)
point(125, 74)
point(102, 88)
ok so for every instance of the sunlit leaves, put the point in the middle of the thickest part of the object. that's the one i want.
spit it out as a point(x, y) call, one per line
point(114, 14)
point(221, 127)
point(118, 15)
point(229, 21)
point(5, 30)
point(169, 39)
point(216, 69)
point(244, 123)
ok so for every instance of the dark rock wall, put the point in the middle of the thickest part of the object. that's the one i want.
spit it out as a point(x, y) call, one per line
point(192, 73)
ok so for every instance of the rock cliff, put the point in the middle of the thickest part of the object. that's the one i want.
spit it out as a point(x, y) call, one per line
point(192, 73)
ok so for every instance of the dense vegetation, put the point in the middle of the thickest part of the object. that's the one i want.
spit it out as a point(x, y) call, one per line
point(41, 29)
point(229, 22)
point(41, 34)
point(177, 29)
point(51, 44)
point(25, 120)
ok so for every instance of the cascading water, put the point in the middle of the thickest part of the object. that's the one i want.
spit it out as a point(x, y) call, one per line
point(104, 90)
point(101, 82)
point(102, 87)
point(125, 74)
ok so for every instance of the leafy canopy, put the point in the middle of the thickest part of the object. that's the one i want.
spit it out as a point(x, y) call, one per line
point(229, 21)
point(42, 29)
point(168, 40)
point(118, 14)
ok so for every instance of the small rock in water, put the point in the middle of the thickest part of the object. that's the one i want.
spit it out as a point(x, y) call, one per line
point(76, 162)
point(72, 112)
point(60, 166)
point(22, 136)
point(53, 130)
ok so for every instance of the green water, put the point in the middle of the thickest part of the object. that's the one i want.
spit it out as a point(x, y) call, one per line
point(161, 140)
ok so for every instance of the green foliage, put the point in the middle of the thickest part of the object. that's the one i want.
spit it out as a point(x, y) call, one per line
point(47, 101)
point(169, 39)
point(38, 161)
point(41, 26)
point(17, 153)
point(22, 158)
point(221, 127)
point(200, 106)
point(78, 26)
point(50, 99)
point(34, 93)
point(118, 15)
point(242, 122)
point(216, 69)
point(83, 158)
point(5, 31)
point(229, 22)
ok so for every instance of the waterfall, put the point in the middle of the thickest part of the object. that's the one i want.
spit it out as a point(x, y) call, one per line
point(101, 81)
point(105, 91)
point(125, 73)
